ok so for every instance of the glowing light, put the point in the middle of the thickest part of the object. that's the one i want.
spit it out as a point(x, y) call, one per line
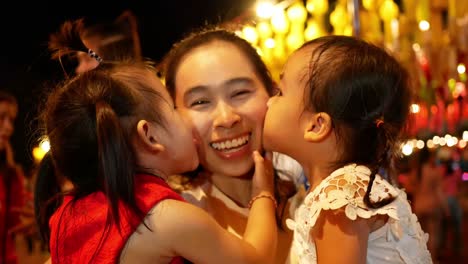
point(465, 135)
point(388, 10)
point(424, 25)
point(461, 143)
point(430, 144)
point(279, 22)
point(452, 141)
point(39, 151)
point(312, 30)
point(415, 108)
point(465, 176)
point(317, 7)
point(45, 145)
point(264, 29)
point(270, 43)
point(250, 34)
point(265, 9)
point(297, 13)
point(461, 68)
point(442, 141)
point(407, 149)
point(420, 144)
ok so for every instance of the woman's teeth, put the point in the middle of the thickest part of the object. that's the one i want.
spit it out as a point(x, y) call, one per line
point(230, 144)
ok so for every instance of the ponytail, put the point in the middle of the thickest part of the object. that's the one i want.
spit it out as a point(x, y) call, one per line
point(115, 162)
point(67, 40)
point(385, 154)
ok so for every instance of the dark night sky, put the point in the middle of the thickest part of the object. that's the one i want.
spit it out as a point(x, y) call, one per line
point(25, 67)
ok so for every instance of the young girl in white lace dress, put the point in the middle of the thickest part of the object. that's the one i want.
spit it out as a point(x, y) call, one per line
point(340, 109)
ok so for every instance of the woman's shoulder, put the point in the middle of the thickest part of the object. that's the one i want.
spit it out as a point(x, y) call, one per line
point(288, 168)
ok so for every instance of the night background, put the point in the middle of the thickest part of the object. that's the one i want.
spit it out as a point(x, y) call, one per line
point(26, 69)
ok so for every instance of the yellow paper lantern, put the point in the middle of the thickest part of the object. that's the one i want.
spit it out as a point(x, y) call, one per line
point(297, 13)
point(339, 18)
point(294, 40)
point(279, 22)
point(250, 34)
point(317, 7)
point(312, 30)
point(264, 30)
point(388, 10)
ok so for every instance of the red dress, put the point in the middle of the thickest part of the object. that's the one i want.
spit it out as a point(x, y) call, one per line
point(11, 196)
point(77, 229)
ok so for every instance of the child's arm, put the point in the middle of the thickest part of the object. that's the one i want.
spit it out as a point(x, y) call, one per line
point(188, 231)
point(339, 239)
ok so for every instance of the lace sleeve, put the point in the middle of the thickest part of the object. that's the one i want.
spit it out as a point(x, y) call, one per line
point(345, 189)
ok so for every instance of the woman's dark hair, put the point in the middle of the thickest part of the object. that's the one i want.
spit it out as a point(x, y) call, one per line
point(90, 121)
point(203, 37)
point(367, 94)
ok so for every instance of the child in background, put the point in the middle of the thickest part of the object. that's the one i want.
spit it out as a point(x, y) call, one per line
point(344, 103)
point(116, 136)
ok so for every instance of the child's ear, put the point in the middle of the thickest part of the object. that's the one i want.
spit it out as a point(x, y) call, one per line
point(148, 135)
point(318, 126)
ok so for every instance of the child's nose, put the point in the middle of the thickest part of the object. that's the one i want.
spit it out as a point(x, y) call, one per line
point(269, 101)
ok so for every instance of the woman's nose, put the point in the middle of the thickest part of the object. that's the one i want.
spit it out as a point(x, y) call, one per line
point(225, 116)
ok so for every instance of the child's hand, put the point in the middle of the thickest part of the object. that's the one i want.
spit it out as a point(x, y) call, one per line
point(263, 179)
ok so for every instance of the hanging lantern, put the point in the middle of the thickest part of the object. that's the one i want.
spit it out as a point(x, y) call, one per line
point(264, 30)
point(317, 7)
point(339, 18)
point(250, 34)
point(388, 11)
point(279, 22)
point(312, 30)
point(297, 13)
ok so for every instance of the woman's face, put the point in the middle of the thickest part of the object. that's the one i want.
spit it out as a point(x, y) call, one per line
point(218, 91)
point(8, 112)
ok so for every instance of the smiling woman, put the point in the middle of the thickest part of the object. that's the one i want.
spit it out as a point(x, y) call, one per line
point(221, 86)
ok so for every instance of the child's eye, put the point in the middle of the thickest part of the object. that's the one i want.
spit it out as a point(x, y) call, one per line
point(277, 92)
point(198, 102)
point(240, 93)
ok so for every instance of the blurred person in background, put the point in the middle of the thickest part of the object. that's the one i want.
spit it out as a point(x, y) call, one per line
point(12, 191)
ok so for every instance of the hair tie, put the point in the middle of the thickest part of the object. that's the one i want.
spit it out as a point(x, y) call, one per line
point(93, 55)
point(379, 122)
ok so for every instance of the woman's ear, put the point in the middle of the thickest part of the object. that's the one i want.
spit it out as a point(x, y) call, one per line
point(148, 135)
point(318, 127)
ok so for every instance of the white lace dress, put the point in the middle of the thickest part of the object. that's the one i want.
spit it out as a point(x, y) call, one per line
point(400, 240)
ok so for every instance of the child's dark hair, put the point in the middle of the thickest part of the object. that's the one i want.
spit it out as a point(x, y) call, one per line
point(90, 121)
point(118, 40)
point(367, 94)
point(203, 37)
